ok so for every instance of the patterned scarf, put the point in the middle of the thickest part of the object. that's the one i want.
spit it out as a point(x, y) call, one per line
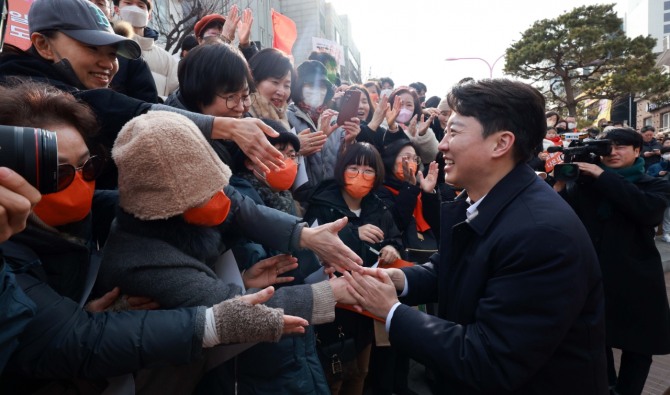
point(282, 200)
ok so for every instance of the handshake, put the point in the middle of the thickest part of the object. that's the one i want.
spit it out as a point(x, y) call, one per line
point(246, 319)
point(375, 290)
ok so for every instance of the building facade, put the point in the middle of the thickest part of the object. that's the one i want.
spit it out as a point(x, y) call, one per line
point(317, 23)
point(646, 17)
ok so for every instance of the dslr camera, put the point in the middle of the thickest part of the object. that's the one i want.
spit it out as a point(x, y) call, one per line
point(587, 150)
point(33, 154)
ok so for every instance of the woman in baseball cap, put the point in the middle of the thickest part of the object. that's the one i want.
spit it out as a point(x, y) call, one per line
point(76, 35)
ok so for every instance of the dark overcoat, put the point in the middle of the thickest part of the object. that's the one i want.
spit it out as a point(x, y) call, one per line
point(520, 297)
point(620, 217)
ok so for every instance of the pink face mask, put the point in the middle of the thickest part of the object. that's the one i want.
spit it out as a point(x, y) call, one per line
point(404, 116)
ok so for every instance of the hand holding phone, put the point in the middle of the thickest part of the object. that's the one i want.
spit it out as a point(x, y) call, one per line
point(348, 106)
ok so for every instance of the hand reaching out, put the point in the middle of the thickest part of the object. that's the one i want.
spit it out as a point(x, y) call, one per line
point(249, 135)
point(326, 244)
point(268, 271)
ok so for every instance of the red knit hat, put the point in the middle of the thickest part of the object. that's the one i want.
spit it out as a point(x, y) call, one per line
point(206, 20)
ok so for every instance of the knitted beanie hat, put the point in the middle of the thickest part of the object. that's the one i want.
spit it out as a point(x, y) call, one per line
point(166, 166)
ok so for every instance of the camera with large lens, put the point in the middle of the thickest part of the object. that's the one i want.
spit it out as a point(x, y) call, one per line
point(32, 153)
point(587, 150)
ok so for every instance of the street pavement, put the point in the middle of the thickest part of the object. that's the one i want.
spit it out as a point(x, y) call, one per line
point(658, 380)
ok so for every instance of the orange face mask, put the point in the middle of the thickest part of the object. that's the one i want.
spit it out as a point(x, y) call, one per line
point(358, 187)
point(70, 205)
point(399, 172)
point(212, 213)
point(282, 179)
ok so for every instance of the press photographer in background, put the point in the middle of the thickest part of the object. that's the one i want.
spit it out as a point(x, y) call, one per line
point(620, 206)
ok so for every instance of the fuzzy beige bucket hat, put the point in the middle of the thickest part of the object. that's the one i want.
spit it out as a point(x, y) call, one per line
point(166, 166)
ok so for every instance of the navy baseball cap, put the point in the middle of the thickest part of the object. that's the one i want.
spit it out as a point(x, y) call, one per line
point(80, 20)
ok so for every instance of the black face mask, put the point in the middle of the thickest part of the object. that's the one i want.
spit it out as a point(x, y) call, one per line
point(561, 130)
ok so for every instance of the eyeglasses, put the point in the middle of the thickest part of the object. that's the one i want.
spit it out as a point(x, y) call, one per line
point(411, 158)
point(233, 101)
point(352, 172)
point(291, 155)
point(90, 170)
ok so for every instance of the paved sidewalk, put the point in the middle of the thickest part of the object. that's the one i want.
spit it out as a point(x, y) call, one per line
point(659, 376)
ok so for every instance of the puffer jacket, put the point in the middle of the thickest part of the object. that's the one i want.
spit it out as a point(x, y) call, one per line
point(63, 344)
point(319, 166)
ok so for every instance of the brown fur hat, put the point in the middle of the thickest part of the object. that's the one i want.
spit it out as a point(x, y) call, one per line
point(166, 166)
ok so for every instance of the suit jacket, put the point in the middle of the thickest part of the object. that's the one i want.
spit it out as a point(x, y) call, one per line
point(520, 297)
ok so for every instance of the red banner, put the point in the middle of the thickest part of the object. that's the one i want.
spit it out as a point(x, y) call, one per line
point(552, 160)
point(284, 32)
point(16, 32)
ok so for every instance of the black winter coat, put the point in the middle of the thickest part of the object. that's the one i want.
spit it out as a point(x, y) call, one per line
point(402, 208)
point(620, 217)
point(327, 205)
point(63, 342)
point(519, 293)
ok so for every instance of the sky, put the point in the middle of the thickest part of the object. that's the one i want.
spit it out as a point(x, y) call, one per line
point(409, 40)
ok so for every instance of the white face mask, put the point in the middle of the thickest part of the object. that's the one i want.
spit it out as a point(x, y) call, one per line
point(313, 97)
point(134, 15)
point(666, 157)
point(572, 125)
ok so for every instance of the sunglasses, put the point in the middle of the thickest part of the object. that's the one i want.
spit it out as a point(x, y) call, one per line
point(90, 170)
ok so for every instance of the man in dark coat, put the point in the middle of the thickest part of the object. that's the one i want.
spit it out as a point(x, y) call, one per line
point(651, 148)
point(620, 207)
point(520, 293)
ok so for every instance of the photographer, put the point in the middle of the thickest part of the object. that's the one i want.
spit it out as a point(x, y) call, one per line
point(620, 205)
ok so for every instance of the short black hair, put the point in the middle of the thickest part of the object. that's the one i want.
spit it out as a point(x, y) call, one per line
point(647, 127)
point(211, 70)
point(624, 136)
point(386, 79)
point(433, 102)
point(359, 154)
point(189, 43)
point(270, 63)
point(418, 86)
point(502, 104)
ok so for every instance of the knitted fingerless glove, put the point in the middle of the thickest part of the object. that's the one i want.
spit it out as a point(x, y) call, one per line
point(240, 322)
